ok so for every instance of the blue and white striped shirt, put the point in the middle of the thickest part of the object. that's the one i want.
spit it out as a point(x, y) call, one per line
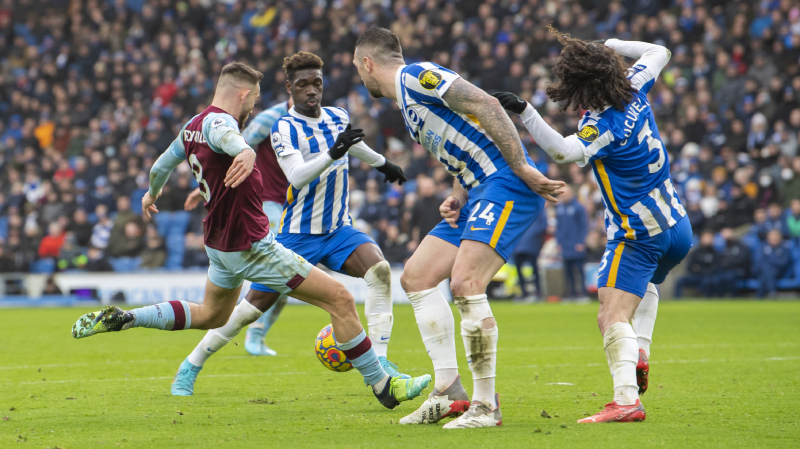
point(321, 206)
point(457, 140)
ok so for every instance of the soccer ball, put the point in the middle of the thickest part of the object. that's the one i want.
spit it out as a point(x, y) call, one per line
point(328, 353)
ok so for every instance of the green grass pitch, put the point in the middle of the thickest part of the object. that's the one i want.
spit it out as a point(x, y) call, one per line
point(723, 374)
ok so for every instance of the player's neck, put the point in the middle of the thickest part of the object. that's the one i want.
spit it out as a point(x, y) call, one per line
point(386, 79)
point(308, 112)
point(228, 104)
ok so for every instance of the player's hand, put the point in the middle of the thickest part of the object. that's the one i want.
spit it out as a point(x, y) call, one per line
point(450, 210)
point(149, 204)
point(392, 173)
point(344, 141)
point(511, 102)
point(241, 168)
point(541, 184)
point(193, 199)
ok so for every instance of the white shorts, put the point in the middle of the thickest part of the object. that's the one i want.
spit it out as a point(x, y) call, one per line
point(267, 262)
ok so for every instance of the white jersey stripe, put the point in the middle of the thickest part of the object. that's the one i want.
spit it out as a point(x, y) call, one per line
point(649, 221)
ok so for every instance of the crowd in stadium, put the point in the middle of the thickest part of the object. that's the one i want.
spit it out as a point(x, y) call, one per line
point(92, 91)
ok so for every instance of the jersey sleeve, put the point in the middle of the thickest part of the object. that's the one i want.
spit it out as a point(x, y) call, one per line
point(159, 173)
point(596, 139)
point(651, 59)
point(261, 125)
point(284, 138)
point(221, 131)
point(432, 82)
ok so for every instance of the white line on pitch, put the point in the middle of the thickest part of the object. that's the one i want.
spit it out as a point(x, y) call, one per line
point(652, 362)
point(136, 379)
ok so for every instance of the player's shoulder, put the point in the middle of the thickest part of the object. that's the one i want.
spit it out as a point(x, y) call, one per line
point(214, 120)
point(337, 113)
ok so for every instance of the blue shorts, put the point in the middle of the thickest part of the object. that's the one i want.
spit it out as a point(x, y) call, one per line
point(498, 212)
point(630, 264)
point(331, 250)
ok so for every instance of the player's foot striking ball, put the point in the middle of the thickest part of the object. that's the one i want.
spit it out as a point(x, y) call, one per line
point(451, 402)
point(642, 371)
point(618, 413)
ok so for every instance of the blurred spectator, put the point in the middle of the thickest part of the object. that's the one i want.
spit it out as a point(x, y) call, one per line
point(595, 246)
point(81, 227)
point(735, 262)
point(7, 264)
point(571, 228)
point(124, 216)
point(51, 288)
point(195, 255)
point(394, 245)
point(71, 255)
point(792, 229)
point(702, 268)
point(425, 213)
point(97, 261)
point(774, 261)
point(527, 253)
point(129, 244)
point(101, 231)
point(50, 245)
point(154, 254)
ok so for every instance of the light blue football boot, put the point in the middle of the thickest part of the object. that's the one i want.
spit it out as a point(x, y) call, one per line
point(392, 369)
point(257, 331)
point(183, 384)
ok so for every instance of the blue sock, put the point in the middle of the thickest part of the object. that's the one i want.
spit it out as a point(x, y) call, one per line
point(360, 353)
point(170, 316)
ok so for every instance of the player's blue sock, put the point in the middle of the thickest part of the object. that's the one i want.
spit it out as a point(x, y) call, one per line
point(360, 353)
point(173, 315)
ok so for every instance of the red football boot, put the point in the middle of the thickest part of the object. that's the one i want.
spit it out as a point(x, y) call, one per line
point(642, 369)
point(618, 413)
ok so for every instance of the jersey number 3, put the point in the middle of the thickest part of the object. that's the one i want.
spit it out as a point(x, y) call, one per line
point(652, 144)
point(197, 170)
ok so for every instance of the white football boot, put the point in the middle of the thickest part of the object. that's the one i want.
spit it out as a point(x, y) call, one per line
point(453, 401)
point(478, 415)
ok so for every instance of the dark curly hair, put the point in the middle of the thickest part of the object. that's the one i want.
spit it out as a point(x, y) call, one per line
point(588, 75)
point(300, 61)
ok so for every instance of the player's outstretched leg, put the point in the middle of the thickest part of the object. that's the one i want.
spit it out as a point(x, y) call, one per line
point(325, 292)
point(214, 340)
point(254, 341)
point(622, 352)
point(173, 315)
point(644, 320)
point(217, 305)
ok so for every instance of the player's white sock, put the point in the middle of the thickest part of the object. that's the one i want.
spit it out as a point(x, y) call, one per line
point(644, 319)
point(243, 314)
point(480, 344)
point(622, 353)
point(438, 328)
point(378, 306)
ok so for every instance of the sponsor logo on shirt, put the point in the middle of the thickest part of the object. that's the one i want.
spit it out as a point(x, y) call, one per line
point(431, 141)
point(429, 79)
point(589, 133)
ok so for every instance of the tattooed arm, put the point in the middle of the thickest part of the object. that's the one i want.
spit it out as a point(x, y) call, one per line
point(465, 98)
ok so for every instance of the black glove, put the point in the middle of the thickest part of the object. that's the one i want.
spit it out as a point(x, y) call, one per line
point(392, 173)
point(344, 141)
point(511, 102)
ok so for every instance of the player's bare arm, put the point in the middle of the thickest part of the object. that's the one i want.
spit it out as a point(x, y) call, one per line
point(465, 98)
point(451, 207)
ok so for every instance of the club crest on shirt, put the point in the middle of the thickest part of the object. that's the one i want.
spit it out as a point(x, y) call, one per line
point(429, 79)
point(589, 133)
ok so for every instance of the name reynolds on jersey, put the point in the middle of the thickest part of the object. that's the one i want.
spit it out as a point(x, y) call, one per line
point(193, 136)
point(632, 114)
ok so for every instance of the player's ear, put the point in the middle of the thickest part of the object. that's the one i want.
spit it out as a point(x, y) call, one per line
point(288, 87)
point(243, 94)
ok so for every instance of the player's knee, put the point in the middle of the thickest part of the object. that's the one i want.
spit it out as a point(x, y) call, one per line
point(342, 301)
point(410, 282)
point(465, 287)
point(380, 273)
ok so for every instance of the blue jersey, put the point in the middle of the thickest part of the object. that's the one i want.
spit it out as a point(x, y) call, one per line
point(457, 140)
point(322, 206)
point(631, 165)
